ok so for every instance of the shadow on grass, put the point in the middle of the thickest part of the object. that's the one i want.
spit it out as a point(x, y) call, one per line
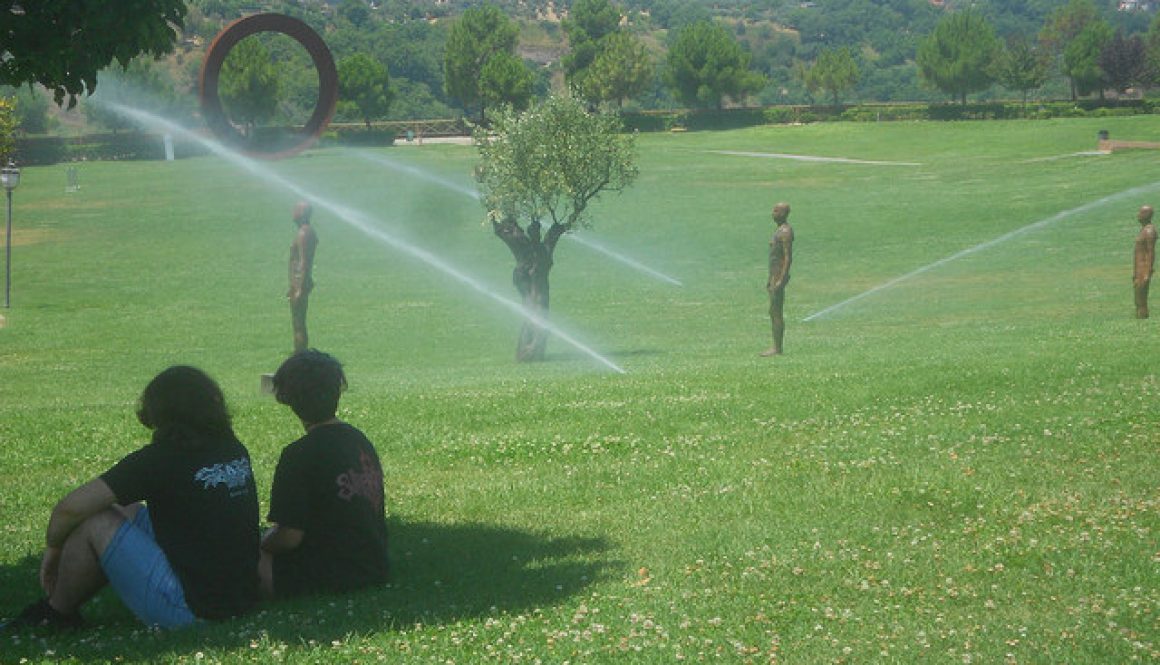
point(441, 573)
point(19, 584)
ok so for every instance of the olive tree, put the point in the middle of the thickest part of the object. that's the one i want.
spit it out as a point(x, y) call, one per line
point(542, 168)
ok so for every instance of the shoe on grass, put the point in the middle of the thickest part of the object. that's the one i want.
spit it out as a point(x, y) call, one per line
point(42, 615)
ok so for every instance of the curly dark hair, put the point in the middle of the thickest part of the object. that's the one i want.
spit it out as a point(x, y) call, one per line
point(183, 405)
point(310, 383)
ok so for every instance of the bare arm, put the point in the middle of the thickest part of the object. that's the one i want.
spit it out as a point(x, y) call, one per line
point(1151, 251)
point(80, 504)
point(281, 539)
point(77, 506)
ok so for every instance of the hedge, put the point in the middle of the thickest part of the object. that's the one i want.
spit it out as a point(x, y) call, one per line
point(652, 121)
point(141, 145)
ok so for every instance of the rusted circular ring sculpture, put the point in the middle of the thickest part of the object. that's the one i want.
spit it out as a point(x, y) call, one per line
point(211, 105)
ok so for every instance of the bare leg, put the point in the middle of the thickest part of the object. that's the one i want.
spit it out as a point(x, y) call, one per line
point(266, 573)
point(1142, 300)
point(80, 575)
point(776, 302)
point(298, 320)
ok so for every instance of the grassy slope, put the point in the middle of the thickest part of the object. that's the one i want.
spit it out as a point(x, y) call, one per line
point(957, 466)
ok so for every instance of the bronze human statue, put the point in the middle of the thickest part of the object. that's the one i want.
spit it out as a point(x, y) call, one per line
point(780, 258)
point(301, 266)
point(1143, 260)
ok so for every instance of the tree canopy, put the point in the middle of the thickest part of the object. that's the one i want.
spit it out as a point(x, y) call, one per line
point(365, 83)
point(249, 83)
point(549, 162)
point(706, 65)
point(7, 128)
point(63, 44)
point(835, 72)
point(588, 23)
point(1021, 66)
point(1081, 58)
point(475, 37)
point(1124, 62)
point(958, 56)
point(622, 70)
point(506, 80)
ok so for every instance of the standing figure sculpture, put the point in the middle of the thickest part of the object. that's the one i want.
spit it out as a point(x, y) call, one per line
point(780, 258)
point(1143, 260)
point(301, 266)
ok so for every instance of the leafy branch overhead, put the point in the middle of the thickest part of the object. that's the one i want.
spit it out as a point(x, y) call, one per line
point(63, 44)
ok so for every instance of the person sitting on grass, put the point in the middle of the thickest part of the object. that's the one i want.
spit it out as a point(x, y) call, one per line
point(329, 530)
point(189, 551)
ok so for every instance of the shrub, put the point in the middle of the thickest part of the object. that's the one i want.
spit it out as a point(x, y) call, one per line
point(778, 115)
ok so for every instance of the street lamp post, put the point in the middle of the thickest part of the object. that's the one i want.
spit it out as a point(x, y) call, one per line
point(9, 178)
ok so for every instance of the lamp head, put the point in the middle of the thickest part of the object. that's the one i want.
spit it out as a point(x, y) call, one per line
point(10, 176)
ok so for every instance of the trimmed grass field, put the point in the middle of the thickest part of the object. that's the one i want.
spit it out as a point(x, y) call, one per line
point(959, 467)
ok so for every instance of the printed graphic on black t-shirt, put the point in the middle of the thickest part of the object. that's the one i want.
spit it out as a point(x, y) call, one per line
point(329, 484)
point(235, 475)
point(204, 509)
point(365, 482)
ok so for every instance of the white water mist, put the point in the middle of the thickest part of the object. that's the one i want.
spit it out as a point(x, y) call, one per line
point(467, 191)
point(364, 223)
point(1127, 193)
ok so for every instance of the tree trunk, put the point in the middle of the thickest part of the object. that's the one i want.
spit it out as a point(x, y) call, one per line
point(533, 257)
point(531, 280)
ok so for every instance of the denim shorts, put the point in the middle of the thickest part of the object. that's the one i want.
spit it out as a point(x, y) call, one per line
point(140, 574)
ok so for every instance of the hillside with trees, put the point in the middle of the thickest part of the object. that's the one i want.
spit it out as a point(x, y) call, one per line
point(664, 54)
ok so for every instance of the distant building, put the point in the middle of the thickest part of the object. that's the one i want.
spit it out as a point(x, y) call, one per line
point(1136, 5)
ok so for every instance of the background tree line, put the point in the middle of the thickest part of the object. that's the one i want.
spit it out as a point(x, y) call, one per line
point(410, 60)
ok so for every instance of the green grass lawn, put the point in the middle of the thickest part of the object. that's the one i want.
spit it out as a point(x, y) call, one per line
point(959, 467)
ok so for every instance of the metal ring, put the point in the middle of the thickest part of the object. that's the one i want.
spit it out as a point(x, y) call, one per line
point(219, 48)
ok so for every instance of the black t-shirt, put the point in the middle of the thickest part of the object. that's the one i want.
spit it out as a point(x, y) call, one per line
point(204, 508)
point(329, 484)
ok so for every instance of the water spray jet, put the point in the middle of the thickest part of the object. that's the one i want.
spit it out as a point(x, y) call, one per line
point(1111, 198)
point(466, 191)
point(364, 223)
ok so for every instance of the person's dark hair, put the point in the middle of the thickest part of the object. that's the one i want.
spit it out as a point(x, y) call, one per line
point(184, 406)
point(310, 383)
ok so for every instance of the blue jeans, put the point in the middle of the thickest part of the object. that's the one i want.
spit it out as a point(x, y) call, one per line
point(140, 574)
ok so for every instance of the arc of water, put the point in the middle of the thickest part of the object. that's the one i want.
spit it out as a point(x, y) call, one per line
point(628, 261)
point(1127, 193)
point(416, 172)
point(587, 242)
point(363, 223)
